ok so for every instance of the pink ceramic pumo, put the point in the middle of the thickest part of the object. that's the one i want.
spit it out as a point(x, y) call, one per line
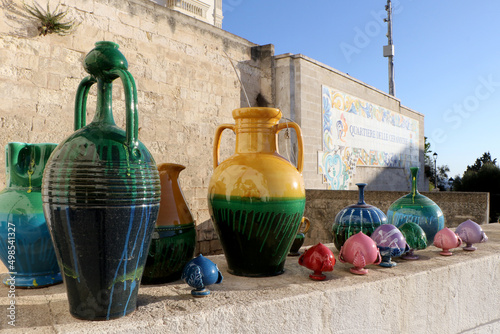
point(447, 239)
point(360, 250)
point(318, 258)
point(471, 233)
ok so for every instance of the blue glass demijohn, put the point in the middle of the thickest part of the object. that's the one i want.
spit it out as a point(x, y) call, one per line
point(360, 217)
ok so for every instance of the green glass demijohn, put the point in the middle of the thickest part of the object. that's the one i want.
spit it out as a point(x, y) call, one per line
point(25, 245)
point(418, 209)
point(101, 194)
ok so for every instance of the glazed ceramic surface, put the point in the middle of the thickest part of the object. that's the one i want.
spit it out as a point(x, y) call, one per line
point(26, 248)
point(360, 250)
point(101, 195)
point(199, 273)
point(360, 217)
point(299, 238)
point(415, 237)
point(447, 239)
point(390, 242)
point(318, 258)
point(418, 209)
point(471, 233)
point(256, 197)
point(174, 237)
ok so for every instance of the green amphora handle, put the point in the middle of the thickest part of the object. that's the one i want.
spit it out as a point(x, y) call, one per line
point(105, 63)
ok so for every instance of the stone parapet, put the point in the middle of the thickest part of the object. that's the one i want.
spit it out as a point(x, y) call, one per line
point(435, 294)
point(323, 205)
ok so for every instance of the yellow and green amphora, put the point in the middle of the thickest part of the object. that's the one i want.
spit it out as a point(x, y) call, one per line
point(256, 197)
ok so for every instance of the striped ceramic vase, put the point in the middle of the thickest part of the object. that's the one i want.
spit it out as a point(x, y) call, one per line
point(101, 194)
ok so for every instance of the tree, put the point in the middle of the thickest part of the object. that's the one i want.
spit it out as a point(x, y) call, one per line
point(442, 177)
point(482, 176)
point(480, 162)
point(430, 171)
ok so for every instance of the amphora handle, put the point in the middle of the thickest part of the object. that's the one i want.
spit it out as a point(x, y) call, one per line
point(106, 63)
point(300, 143)
point(218, 133)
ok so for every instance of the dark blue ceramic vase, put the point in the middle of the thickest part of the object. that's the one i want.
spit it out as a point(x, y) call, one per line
point(360, 217)
point(101, 195)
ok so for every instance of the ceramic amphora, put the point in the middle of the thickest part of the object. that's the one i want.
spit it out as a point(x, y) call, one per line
point(256, 197)
point(101, 195)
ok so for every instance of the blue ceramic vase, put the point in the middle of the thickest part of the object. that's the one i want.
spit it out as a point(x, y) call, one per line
point(360, 217)
point(26, 248)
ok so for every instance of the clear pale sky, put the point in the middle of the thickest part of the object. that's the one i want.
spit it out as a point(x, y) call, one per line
point(447, 58)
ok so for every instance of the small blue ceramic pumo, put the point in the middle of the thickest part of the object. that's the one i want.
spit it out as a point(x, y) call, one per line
point(199, 273)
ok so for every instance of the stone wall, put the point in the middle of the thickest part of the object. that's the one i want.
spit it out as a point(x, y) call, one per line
point(323, 205)
point(186, 84)
point(186, 88)
point(298, 87)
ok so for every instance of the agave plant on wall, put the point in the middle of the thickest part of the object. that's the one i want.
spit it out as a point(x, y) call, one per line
point(50, 22)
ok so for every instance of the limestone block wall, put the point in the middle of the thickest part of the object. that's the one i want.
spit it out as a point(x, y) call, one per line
point(186, 84)
point(323, 205)
point(298, 82)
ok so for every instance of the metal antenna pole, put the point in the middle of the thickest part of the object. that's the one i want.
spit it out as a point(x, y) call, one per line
point(389, 49)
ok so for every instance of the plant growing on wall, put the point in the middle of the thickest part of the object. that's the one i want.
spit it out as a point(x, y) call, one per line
point(50, 22)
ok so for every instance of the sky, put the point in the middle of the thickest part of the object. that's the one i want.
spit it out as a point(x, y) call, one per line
point(447, 58)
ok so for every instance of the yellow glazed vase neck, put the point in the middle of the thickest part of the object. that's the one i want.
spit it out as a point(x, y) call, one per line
point(255, 129)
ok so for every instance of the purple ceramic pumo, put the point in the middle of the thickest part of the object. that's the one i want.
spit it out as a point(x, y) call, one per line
point(360, 250)
point(471, 233)
point(447, 239)
point(390, 242)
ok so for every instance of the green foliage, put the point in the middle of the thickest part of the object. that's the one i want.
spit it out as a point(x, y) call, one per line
point(483, 176)
point(430, 171)
point(427, 152)
point(50, 22)
point(485, 159)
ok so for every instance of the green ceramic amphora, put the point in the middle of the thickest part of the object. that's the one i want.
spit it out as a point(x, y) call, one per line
point(101, 194)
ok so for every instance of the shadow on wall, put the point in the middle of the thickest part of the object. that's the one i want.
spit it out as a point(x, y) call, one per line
point(207, 240)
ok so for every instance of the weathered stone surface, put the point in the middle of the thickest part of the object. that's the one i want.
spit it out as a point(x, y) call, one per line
point(435, 294)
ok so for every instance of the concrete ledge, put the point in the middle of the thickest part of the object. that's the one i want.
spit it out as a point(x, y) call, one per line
point(436, 294)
